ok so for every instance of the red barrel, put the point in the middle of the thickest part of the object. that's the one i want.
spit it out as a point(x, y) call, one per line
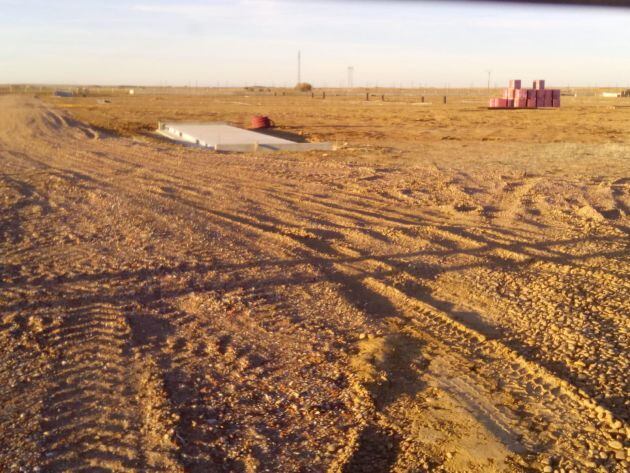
point(261, 121)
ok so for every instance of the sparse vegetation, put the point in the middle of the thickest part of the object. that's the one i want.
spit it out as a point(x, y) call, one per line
point(304, 87)
point(257, 88)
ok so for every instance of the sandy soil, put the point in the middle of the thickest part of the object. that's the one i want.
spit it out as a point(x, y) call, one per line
point(448, 292)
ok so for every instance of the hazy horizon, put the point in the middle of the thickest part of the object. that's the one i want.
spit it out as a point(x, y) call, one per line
point(494, 87)
point(247, 42)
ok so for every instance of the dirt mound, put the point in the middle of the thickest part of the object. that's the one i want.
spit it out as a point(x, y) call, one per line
point(27, 118)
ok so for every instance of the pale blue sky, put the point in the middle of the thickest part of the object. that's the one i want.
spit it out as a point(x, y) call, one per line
point(242, 42)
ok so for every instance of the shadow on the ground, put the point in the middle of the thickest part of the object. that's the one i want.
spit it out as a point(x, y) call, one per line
point(284, 134)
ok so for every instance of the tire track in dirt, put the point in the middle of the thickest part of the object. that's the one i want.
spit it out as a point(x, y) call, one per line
point(190, 343)
point(539, 388)
point(530, 387)
point(177, 397)
point(534, 390)
point(558, 323)
point(85, 424)
point(100, 412)
point(268, 230)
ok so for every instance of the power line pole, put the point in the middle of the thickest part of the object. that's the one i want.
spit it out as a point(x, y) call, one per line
point(350, 76)
point(299, 67)
point(489, 74)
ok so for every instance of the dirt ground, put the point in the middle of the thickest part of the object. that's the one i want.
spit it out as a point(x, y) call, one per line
point(448, 291)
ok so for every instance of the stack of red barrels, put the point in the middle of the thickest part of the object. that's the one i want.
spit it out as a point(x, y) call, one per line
point(536, 97)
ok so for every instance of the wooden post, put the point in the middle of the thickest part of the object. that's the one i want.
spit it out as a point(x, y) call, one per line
point(445, 99)
point(312, 94)
point(422, 99)
point(367, 96)
point(323, 95)
point(383, 97)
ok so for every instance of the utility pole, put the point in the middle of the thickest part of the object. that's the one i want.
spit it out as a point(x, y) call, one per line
point(350, 76)
point(299, 67)
point(489, 74)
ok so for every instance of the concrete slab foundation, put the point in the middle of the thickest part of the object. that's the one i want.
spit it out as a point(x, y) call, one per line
point(223, 137)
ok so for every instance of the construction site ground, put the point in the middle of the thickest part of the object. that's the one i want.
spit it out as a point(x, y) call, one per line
point(447, 291)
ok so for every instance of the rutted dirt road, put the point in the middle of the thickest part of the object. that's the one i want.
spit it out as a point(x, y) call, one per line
point(171, 309)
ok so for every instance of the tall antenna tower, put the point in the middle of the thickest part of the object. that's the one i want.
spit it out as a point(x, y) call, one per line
point(299, 67)
point(350, 76)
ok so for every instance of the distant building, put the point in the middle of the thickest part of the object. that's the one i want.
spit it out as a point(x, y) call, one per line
point(611, 94)
point(62, 93)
